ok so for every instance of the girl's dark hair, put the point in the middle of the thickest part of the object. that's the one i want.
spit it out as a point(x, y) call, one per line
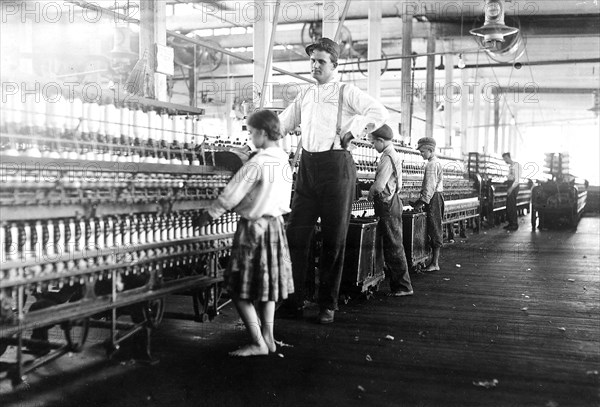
point(266, 120)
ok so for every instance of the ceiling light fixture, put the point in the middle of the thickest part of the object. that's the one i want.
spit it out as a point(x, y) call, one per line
point(441, 65)
point(493, 30)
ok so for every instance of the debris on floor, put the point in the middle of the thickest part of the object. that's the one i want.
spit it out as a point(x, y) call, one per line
point(283, 344)
point(486, 383)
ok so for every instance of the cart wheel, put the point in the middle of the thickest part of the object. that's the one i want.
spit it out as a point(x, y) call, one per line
point(216, 293)
point(111, 349)
point(201, 300)
point(198, 302)
point(154, 311)
point(76, 333)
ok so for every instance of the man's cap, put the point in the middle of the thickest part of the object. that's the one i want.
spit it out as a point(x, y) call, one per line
point(426, 142)
point(326, 45)
point(384, 132)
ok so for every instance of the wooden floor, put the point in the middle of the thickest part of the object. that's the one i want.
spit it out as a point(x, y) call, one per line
point(519, 310)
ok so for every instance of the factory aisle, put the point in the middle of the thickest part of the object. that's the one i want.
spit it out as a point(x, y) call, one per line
point(513, 319)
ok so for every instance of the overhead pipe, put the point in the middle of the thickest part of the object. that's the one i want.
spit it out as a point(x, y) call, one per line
point(338, 32)
point(269, 55)
point(91, 6)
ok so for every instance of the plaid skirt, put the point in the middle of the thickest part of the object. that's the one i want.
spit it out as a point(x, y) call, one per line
point(260, 268)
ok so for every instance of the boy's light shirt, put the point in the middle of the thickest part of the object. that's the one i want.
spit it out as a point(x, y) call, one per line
point(433, 180)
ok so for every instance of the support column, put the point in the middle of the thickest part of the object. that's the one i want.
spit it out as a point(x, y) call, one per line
point(505, 123)
point(374, 49)
point(407, 91)
point(449, 98)
point(513, 135)
point(496, 122)
point(153, 31)
point(464, 115)
point(261, 75)
point(476, 114)
point(488, 147)
point(430, 85)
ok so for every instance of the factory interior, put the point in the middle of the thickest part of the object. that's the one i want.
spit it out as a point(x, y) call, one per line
point(125, 126)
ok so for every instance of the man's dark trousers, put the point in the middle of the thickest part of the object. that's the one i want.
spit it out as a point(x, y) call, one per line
point(511, 208)
point(325, 188)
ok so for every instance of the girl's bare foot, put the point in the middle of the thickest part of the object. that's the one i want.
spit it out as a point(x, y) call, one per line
point(251, 350)
point(271, 346)
point(269, 340)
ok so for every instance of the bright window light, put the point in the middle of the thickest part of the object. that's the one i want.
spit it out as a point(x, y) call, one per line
point(222, 31)
point(204, 33)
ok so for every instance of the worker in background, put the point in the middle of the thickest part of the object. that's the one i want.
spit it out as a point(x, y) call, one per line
point(431, 198)
point(512, 183)
point(388, 207)
point(329, 114)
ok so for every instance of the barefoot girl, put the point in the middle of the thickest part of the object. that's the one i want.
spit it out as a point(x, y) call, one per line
point(259, 271)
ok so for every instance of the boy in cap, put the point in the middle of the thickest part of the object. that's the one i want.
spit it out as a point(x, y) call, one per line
point(388, 207)
point(431, 198)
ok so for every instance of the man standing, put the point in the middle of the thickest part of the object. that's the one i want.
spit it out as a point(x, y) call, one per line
point(329, 114)
point(514, 178)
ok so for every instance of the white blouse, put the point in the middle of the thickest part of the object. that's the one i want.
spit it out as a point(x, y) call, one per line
point(262, 187)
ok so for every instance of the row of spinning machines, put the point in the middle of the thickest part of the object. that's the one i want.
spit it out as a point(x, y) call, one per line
point(100, 203)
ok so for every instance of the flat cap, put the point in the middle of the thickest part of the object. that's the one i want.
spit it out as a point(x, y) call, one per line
point(426, 142)
point(384, 132)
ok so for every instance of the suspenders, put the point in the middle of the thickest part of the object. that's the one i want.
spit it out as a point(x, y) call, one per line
point(338, 127)
point(396, 172)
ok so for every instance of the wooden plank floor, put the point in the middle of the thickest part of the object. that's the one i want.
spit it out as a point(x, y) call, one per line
point(522, 308)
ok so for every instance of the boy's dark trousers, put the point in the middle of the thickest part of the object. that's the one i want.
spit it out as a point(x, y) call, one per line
point(435, 215)
point(389, 230)
point(325, 188)
point(511, 207)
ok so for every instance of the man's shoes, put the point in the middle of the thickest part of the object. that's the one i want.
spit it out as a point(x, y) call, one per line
point(326, 316)
point(400, 293)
